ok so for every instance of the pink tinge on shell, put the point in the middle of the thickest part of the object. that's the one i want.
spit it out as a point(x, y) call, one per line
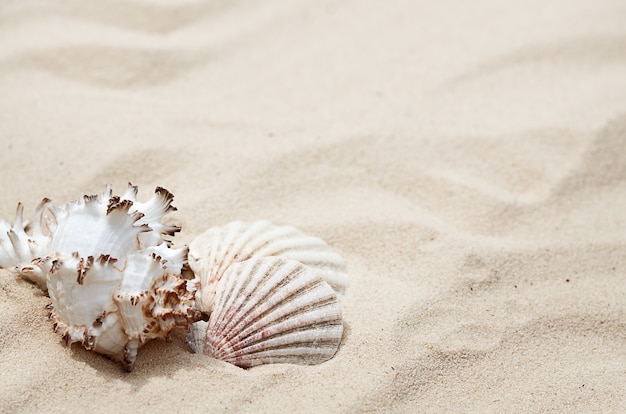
point(271, 310)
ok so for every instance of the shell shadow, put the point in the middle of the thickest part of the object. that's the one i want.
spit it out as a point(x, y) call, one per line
point(157, 358)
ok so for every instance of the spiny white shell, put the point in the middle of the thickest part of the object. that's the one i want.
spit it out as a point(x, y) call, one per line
point(18, 249)
point(211, 254)
point(113, 280)
point(118, 306)
point(270, 310)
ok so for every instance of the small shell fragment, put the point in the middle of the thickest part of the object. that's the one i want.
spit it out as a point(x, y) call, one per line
point(18, 248)
point(270, 310)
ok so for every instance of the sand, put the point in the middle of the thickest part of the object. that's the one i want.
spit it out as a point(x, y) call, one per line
point(466, 158)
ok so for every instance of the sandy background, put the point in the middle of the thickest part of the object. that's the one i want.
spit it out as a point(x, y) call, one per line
point(467, 159)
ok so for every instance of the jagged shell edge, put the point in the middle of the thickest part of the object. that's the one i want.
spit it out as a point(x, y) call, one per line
point(18, 249)
point(134, 315)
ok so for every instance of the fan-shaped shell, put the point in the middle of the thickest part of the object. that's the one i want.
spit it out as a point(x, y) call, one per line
point(270, 310)
point(211, 254)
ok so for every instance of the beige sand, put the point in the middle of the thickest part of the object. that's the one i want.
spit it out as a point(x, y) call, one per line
point(466, 157)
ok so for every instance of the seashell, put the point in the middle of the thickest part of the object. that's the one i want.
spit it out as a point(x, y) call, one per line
point(113, 279)
point(214, 251)
point(270, 310)
point(18, 249)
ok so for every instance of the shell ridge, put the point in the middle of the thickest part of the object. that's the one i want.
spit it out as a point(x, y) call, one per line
point(242, 234)
point(277, 310)
point(284, 331)
point(218, 248)
point(241, 283)
point(296, 241)
point(238, 279)
point(224, 240)
point(227, 243)
point(272, 299)
point(313, 336)
point(245, 310)
point(293, 355)
point(212, 272)
point(202, 260)
point(261, 233)
point(331, 262)
point(289, 315)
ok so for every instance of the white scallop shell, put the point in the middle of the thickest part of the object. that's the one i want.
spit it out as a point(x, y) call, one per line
point(270, 310)
point(211, 254)
point(114, 281)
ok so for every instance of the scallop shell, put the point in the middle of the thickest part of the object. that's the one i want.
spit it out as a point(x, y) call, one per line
point(113, 279)
point(211, 254)
point(270, 310)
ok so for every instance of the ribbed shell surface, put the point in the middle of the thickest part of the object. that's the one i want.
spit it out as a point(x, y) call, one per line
point(271, 310)
point(214, 251)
